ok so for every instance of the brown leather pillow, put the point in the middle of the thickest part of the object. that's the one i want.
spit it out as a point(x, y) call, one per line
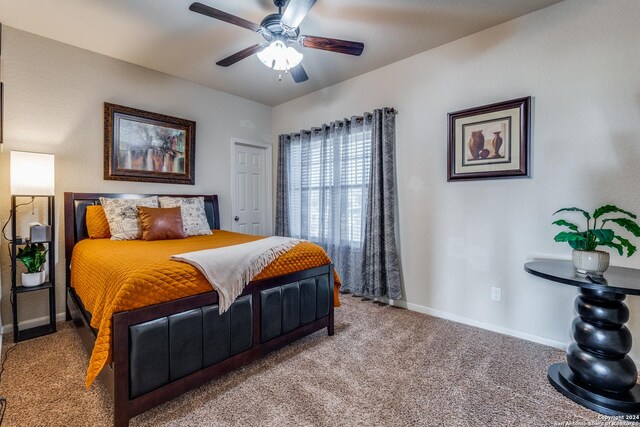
point(161, 223)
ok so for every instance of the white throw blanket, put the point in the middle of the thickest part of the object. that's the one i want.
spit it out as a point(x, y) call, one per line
point(230, 268)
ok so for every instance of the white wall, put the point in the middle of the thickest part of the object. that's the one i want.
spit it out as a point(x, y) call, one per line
point(579, 60)
point(54, 95)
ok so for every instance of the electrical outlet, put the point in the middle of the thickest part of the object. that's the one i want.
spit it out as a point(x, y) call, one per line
point(496, 293)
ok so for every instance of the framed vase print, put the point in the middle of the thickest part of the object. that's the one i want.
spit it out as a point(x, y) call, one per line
point(148, 147)
point(491, 141)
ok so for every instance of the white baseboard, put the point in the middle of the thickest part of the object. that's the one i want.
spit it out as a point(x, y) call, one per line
point(471, 322)
point(482, 325)
point(396, 303)
point(60, 317)
point(32, 323)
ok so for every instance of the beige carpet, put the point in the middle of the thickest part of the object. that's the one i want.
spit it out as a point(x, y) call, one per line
point(384, 367)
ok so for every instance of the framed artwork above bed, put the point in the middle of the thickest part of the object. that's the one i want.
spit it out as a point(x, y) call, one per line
point(148, 147)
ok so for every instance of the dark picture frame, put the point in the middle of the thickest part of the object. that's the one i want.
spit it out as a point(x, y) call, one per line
point(490, 142)
point(148, 147)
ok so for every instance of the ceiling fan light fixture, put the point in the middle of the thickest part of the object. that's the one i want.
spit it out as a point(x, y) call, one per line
point(279, 56)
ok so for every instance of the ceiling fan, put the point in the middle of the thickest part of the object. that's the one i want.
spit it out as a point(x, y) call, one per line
point(280, 31)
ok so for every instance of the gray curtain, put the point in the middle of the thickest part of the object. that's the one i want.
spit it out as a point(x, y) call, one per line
point(380, 257)
point(282, 187)
point(323, 191)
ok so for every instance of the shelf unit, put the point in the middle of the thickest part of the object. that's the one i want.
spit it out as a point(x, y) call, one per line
point(18, 290)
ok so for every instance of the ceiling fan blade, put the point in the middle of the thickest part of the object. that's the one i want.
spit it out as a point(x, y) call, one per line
point(295, 13)
point(239, 56)
point(223, 16)
point(298, 74)
point(333, 45)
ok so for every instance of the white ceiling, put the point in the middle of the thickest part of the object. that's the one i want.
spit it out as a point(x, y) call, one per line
point(164, 35)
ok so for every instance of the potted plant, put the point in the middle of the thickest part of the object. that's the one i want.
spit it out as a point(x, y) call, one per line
point(33, 256)
point(586, 258)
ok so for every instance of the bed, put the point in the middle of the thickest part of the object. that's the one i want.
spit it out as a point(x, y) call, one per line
point(160, 351)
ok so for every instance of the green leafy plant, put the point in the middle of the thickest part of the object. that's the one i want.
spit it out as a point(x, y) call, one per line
point(594, 235)
point(33, 256)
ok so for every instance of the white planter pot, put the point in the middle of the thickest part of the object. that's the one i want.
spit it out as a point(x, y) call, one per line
point(590, 261)
point(33, 279)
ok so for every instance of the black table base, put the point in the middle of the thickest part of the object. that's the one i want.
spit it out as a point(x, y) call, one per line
point(563, 379)
point(598, 374)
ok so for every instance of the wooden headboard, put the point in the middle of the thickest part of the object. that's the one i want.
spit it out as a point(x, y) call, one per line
point(75, 209)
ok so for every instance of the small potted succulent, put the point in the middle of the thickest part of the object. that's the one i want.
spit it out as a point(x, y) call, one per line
point(586, 258)
point(33, 256)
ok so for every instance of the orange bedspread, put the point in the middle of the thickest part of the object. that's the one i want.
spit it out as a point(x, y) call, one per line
point(112, 276)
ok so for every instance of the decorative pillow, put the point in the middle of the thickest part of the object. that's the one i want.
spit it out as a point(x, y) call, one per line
point(161, 223)
point(97, 224)
point(194, 218)
point(122, 214)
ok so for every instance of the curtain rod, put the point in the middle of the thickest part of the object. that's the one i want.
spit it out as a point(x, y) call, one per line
point(387, 110)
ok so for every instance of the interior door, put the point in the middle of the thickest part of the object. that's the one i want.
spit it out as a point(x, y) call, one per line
point(249, 190)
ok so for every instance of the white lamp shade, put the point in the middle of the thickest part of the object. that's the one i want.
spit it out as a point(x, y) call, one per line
point(279, 56)
point(32, 174)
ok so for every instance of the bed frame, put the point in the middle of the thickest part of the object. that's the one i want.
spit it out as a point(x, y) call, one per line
point(167, 349)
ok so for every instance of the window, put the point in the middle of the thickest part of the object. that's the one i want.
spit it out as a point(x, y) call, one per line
point(328, 184)
point(323, 196)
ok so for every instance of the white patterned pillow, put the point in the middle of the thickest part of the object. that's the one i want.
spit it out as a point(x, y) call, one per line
point(194, 218)
point(123, 217)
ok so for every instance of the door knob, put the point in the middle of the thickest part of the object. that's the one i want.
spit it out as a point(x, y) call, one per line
point(236, 218)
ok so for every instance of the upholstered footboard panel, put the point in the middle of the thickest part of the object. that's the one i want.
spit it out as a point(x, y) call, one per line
point(169, 348)
point(285, 308)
